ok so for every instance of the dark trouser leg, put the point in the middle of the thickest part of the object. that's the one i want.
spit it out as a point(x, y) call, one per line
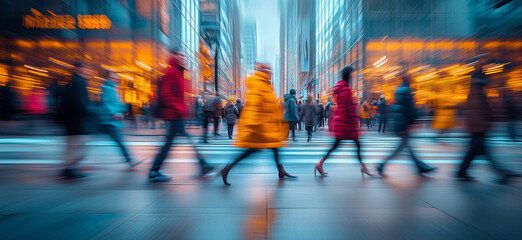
point(309, 131)
point(206, 122)
point(358, 145)
point(474, 149)
point(292, 129)
point(216, 125)
point(384, 125)
point(276, 155)
point(380, 125)
point(115, 134)
point(244, 155)
point(181, 131)
point(160, 158)
point(335, 145)
point(230, 130)
point(403, 144)
point(487, 154)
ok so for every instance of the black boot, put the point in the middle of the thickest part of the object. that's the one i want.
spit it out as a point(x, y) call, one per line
point(73, 174)
point(157, 176)
point(283, 173)
point(224, 173)
point(424, 168)
point(206, 168)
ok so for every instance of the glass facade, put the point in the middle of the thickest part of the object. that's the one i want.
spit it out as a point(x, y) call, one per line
point(430, 39)
point(339, 42)
point(135, 46)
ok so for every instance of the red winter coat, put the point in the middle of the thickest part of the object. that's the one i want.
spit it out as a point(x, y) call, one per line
point(345, 123)
point(172, 91)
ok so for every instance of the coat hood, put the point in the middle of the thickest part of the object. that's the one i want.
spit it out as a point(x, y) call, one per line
point(288, 96)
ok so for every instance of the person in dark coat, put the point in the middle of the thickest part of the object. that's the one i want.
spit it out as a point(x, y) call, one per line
point(327, 109)
point(404, 115)
point(382, 108)
point(76, 113)
point(320, 114)
point(291, 111)
point(217, 110)
point(239, 106)
point(174, 111)
point(299, 109)
point(345, 123)
point(308, 115)
point(477, 119)
point(231, 114)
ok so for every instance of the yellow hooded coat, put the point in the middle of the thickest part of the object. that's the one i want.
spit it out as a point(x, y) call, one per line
point(261, 122)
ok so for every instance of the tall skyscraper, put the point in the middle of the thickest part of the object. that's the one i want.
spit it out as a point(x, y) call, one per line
point(249, 40)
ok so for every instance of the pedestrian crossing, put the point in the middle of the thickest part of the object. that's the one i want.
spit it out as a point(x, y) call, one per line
point(222, 150)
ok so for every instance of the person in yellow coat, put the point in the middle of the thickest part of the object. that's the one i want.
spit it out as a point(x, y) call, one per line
point(444, 118)
point(261, 124)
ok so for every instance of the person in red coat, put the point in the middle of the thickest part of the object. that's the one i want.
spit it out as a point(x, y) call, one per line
point(345, 123)
point(172, 109)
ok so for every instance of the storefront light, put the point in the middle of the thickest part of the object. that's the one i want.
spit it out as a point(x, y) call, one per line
point(36, 69)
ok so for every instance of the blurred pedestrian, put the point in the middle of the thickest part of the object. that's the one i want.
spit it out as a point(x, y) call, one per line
point(291, 112)
point(239, 105)
point(231, 114)
point(382, 108)
point(9, 101)
point(217, 110)
point(112, 114)
point(320, 114)
point(37, 106)
point(327, 109)
point(364, 114)
point(261, 124)
point(299, 109)
point(404, 115)
point(76, 113)
point(308, 115)
point(445, 112)
point(200, 109)
point(477, 118)
point(173, 109)
point(207, 114)
point(345, 123)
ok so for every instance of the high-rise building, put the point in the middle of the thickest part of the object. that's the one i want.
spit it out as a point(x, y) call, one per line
point(227, 38)
point(249, 44)
point(296, 45)
point(381, 39)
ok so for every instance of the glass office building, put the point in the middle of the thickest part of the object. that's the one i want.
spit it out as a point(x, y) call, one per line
point(431, 39)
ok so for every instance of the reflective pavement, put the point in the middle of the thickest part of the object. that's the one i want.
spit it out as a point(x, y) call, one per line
point(117, 204)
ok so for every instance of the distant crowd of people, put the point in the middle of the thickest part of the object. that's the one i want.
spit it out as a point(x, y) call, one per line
point(263, 121)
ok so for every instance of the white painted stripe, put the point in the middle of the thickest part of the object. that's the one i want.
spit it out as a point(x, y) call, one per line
point(249, 160)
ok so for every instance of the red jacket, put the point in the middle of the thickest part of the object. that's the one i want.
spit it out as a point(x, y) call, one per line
point(172, 91)
point(345, 123)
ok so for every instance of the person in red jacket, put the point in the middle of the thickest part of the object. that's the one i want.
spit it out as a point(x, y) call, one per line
point(172, 109)
point(345, 123)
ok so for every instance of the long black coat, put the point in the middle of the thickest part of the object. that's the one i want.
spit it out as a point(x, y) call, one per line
point(76, 105)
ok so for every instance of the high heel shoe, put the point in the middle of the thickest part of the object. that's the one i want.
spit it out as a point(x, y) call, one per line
point(319, 167)
point(283, 173)
point(365, 170)
point(224, 174)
